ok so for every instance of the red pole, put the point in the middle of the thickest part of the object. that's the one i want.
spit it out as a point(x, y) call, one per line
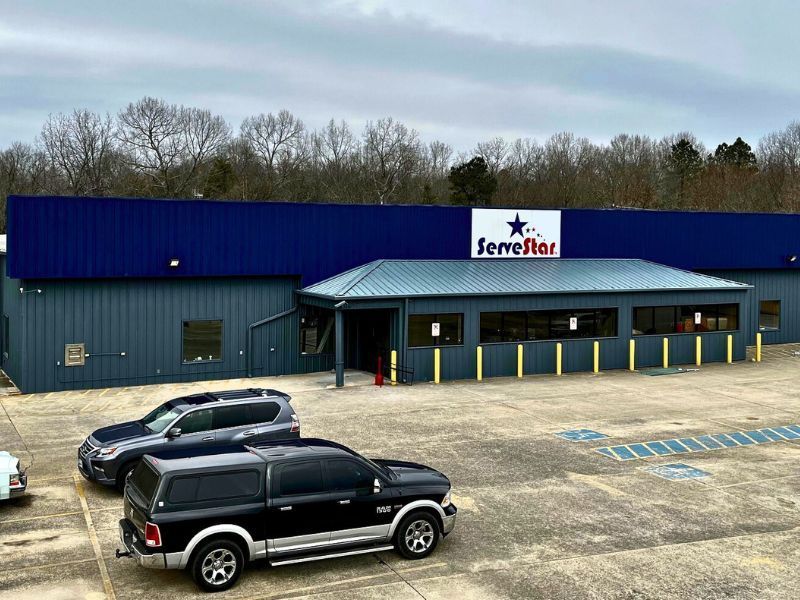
point(379, 372)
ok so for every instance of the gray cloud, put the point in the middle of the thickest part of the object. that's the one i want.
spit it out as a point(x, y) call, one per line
point(344, 60)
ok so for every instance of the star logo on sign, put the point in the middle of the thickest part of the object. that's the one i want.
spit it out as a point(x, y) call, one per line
point(516, 226)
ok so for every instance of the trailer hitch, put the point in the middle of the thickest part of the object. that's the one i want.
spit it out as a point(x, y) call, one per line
point(119, 554)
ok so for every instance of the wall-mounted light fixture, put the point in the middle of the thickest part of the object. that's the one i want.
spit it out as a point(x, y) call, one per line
point(24, 291)
point(174, 263)
point(791, 258)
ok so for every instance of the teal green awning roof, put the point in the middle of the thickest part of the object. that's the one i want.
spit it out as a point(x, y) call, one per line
point(410, 278)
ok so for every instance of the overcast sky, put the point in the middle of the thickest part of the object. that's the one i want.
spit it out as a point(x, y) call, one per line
point(461, 70)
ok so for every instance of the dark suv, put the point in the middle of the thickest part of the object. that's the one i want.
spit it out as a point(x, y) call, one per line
point(212, 510)
point(201, 420)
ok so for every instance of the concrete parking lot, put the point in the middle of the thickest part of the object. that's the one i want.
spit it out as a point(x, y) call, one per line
point(540, 516)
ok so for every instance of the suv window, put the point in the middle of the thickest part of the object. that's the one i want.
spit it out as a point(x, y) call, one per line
point(348, 475)
point(300, 478)
point(219, 486)
point(144, 479)
point(231, 416)
point(195, 422)
point(264, 412)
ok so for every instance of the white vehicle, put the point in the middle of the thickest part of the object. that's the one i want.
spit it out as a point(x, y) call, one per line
point(12, 481)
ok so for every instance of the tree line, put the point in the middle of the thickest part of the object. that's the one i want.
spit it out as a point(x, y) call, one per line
point(154, 148)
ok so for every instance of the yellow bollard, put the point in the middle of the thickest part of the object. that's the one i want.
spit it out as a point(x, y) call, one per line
point(632, 355)
point(519, 360)
point(597, 357)
point(730, 349)
point(558, 358)
point(436, 364)
point(480, 363)
point(666, 353)
point(393, 365)
point(758, 347)
point(698, 351)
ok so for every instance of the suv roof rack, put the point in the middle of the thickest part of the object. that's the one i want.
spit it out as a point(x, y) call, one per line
point(237, 394)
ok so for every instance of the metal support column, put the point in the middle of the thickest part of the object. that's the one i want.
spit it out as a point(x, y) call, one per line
point(339, 348)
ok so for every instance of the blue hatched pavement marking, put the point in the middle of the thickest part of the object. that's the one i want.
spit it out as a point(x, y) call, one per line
point(677, 471)
point(702, 443)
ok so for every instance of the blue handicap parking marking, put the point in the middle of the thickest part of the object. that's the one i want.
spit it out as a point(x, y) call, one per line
point(641, 450)
point(725, 440)
point(786, 433)
point(692, 444)
point(659, 448)
point(701, 443)
point(741, 438)
point(757, 436)
point(675, 446)
point(772, 435)
point(709, 442)
point(677, 471)
point(581, 435)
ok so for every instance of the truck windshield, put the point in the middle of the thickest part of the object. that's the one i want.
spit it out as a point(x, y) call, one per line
point(161, 417)
point(144, 480)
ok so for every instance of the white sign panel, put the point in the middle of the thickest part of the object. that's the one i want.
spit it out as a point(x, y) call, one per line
point(698, 318)
point(511, 233)
point(573, 323)
point(435, 328)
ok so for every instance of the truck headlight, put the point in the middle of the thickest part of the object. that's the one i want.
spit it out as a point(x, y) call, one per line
point(106, 451)
point(446, 500)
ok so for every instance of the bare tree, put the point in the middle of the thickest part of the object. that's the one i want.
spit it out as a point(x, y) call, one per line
point(494, 153)
point(279, 142)
point(335, 156)
point(79, 146)
point(390, 155)
point(168, 144)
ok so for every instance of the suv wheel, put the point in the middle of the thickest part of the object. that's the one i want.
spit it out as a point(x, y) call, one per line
point(122, 475)
point(217, 565)
point(417, 535)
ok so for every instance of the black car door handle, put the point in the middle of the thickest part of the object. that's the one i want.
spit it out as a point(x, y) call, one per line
point(285, 508)
point(344, 501)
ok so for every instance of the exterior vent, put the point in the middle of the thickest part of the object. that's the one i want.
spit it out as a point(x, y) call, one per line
point(74, 355)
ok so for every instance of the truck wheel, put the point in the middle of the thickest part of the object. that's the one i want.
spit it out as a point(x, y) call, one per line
point(122, 475)
point(217, 565)
point(417, 535)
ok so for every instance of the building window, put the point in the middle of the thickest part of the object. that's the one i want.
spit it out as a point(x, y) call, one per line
point(532, 325)
point(422, 327)
point(202, 341)
point(688, 318)
point(317, 332)
point(769, 314)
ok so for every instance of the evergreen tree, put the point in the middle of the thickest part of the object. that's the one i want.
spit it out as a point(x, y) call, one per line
point(471, 183)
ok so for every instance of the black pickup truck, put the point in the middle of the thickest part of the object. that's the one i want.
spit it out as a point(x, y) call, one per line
point(212, 510)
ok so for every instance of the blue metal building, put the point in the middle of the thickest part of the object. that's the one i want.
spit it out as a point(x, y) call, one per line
point(101, 292)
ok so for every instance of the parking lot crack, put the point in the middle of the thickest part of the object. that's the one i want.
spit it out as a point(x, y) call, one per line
point(403, 579)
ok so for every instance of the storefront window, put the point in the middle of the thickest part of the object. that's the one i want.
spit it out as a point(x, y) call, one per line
point(317, 332)
point(690, 318)
point(421, 329)
point(769, 314)
point(519, 326)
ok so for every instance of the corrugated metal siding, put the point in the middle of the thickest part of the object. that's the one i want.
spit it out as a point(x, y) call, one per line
point(391, 278)
point(783, 285)
point(11, 304)
point(143, 318)
point(57, 237)
point(459, 362)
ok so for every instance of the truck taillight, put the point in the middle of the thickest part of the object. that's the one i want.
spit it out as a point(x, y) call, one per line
point(295, 424)
point(14, 481)
point(152, 535)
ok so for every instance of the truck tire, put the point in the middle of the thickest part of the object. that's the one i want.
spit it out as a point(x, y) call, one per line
point(217, 565)
point(417, 535)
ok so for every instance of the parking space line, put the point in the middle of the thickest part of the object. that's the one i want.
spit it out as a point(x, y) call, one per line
point(98, 553)
point(50, 565)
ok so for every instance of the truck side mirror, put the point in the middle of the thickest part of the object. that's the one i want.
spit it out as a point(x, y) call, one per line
point(175, 432)
point(376, 486)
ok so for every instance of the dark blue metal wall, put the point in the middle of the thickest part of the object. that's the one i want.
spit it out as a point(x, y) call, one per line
point(65, 237)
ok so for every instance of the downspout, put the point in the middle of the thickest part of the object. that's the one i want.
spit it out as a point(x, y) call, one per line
point(405, 334)
point(253, 326)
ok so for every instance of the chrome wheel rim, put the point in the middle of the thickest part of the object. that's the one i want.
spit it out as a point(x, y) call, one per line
point(419, 536)
point(218, 566)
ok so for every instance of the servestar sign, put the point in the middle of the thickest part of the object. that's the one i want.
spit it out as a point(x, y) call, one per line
point(529, 246)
